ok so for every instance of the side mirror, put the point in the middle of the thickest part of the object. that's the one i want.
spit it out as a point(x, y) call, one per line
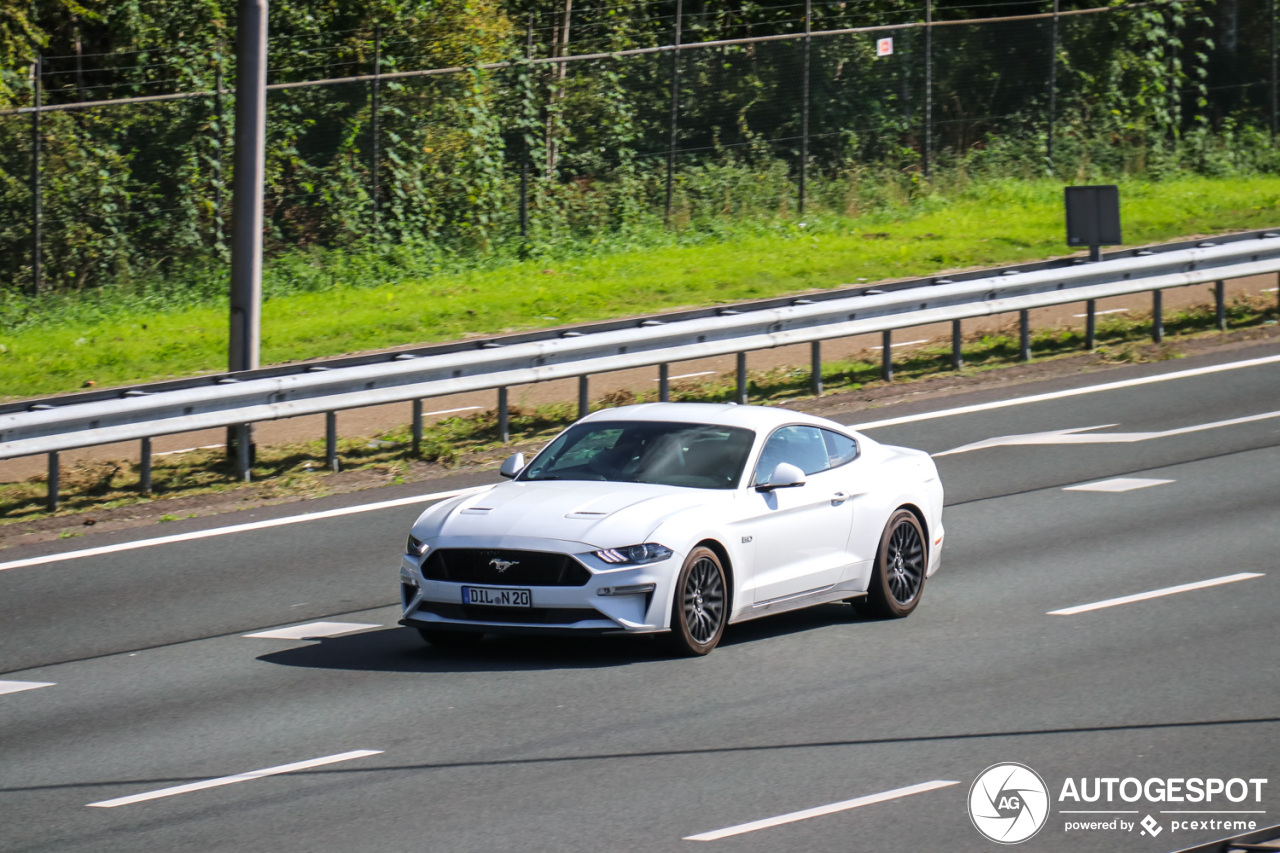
point(784, 476)
point(513, 465)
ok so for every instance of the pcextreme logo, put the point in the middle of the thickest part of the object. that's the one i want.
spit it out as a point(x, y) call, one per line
point(1008, 803)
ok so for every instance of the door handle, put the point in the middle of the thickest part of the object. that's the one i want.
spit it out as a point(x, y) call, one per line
point(839, 498)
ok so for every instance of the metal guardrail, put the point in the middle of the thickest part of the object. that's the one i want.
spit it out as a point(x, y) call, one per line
point(59, 424)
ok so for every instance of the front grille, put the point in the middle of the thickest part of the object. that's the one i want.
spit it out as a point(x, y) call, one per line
point(519, 568)
point(510, 615)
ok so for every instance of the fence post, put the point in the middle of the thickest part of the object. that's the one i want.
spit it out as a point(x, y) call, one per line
point(928, 87)
point(528, 146)
point(742, 378)
point(886, 355)
point(36, 199)
point(1274, 86)
point(664, 383)
point(675, 109)
point(374, 104)
point(1024, 334)
point(1091, 325)
point(1157, 315)
point(957, 355)
point(1053, 81)
point(804, 105)
point(584, 396)
point(1220, 304)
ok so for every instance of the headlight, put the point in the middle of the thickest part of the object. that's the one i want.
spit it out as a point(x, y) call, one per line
point(650, 552)
point(416, 547)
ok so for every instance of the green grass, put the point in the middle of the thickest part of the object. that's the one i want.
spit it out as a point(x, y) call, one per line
point(66, 345)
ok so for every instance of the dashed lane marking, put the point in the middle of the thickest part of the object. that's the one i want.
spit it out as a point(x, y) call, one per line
point(19, 686)
point(313, 631)
point(1155, 593)
point(236, 528)
point(231, 780)
point(1118, 484)
point(768, 822)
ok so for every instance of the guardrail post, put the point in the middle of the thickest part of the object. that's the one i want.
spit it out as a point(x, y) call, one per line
point(664, 383)
point(584, 396)
point(504, 417)
point(55, 471)
point(331, 441)
point(815, 367)
point(1157, 315)
point(1091, 324)
point(1220, 303)
point(417, 427)
point(742, 378)
point(144, 472)
point(1024, 334)
point(243, 439)
point(886, 355)
point(957, 356)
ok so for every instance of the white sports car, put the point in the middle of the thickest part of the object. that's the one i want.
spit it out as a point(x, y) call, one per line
point(677, 518)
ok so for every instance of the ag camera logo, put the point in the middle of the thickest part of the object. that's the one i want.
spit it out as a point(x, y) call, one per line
point(1008, 803)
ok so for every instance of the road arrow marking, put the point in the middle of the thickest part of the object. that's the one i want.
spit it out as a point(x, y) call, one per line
point(1084, 435)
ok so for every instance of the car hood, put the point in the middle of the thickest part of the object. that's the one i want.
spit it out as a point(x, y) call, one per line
point(603, 515)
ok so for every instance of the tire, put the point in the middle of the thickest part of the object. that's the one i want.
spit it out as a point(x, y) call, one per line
point(897, 581)
point(700, 607)
point(454, 641)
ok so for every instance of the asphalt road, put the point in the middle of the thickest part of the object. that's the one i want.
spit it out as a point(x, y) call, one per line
point(564, 745)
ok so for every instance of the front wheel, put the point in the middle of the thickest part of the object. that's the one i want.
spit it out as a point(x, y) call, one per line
point(700, 607)
point(897, 581)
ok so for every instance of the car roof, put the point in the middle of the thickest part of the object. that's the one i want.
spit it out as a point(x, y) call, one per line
point(759, 418)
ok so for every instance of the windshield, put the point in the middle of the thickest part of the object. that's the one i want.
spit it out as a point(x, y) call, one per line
point(669, 454)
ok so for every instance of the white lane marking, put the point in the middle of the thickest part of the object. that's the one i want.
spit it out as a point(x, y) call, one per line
point(451, 411)
point(231, 780)
point(1084, 435)
point(1118, 484)
point(19, 686)
point(236, 528)
point(820, 810)
point(1155, 593)
point(1100, 313)
point(687, 375)
point(189, 449)
point(906, 344)
point(313, 630)
point(1072, 392)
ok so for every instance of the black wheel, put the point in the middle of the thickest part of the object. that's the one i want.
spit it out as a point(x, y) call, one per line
point(701, 606)
point(897, 580)
point(451, 640)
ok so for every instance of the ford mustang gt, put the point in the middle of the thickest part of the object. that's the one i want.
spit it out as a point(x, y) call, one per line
point(678, 519)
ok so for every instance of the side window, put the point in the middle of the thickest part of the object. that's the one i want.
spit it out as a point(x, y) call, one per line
point(801, 446)
point(840, 448)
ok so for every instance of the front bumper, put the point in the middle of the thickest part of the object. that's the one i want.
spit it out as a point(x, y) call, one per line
point(439, 605)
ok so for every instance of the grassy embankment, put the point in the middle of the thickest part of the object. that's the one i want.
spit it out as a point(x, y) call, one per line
point(110, 338)
point(1019, 221)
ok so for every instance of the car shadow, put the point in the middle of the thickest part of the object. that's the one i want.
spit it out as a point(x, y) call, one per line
point(402, 650)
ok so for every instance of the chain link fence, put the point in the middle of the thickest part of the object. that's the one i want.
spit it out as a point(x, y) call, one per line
point(118, 166)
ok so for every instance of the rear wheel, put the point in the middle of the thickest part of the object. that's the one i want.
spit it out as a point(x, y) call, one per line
point(701, 605)
point(451, 640)
point(897, 581)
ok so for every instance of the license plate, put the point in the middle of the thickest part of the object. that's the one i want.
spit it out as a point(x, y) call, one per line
point(494, 596)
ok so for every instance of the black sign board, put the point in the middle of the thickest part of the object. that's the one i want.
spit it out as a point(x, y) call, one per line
point(1093, 216)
